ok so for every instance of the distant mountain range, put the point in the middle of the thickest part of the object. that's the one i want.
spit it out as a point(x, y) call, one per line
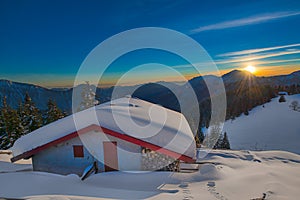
point(237, 75)
point(153, 92)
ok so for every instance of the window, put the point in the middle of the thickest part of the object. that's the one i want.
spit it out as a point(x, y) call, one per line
point(78, 151)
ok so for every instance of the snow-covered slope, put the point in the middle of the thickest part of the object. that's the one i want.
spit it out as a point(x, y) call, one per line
point(274, 126)
point(238, 175)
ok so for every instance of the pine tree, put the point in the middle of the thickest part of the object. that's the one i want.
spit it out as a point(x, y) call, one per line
point(222, 142)
point(2, 123)
point(5, 130)
point(3, 135)
point(11, 126)
point(219, 142)
point(225, 142)
point(88, 97)
point(30, 115)
point(212, 137)
point(53, 112)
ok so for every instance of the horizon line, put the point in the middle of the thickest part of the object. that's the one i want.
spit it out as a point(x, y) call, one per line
point(133, 84)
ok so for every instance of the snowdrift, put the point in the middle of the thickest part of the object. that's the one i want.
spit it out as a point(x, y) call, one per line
point(237, 175)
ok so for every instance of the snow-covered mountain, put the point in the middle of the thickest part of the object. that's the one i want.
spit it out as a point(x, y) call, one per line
point(293, 78)
point(272, 126)
point(15, 93)
point(237, 75)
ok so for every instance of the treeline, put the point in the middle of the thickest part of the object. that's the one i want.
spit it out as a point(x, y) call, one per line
point(290, 89)
point(26, 118)
point(241, 98)
point(245, 98)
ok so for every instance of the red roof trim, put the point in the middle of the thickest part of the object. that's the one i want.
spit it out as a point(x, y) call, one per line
point(94, 127)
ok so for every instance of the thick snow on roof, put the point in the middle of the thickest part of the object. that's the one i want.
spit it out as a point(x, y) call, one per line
point(140, 119)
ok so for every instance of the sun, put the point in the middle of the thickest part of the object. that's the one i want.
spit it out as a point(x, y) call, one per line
point(250, 69)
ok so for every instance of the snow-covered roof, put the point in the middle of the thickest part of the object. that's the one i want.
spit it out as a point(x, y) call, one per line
point(134, 117)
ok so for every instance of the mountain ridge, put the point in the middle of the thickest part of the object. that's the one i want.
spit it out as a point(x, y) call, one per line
point(154, 92)
point(296, 73)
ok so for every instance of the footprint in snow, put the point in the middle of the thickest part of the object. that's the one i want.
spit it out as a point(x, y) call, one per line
point(186, 191)
point(212, 189)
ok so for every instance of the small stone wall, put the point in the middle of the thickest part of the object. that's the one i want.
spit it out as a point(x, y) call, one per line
point(154, 161)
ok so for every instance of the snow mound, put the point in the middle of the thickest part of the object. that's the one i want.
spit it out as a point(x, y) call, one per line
point(236, 175)
point(7, 166)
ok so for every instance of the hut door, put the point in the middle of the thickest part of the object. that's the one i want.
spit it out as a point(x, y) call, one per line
point(110, 156)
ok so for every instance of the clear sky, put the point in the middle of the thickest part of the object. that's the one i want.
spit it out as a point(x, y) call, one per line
point(45, 42)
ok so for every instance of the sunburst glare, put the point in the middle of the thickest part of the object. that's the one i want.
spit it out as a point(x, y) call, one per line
point(250, 69)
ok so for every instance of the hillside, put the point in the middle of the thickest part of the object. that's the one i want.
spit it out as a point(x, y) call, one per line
point(274, 126)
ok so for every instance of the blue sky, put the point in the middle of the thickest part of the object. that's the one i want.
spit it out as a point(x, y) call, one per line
point(45, 42)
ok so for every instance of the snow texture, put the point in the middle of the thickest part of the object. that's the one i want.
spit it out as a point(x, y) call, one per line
point(235, 175)
point(6, 166)
point(273, 126)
